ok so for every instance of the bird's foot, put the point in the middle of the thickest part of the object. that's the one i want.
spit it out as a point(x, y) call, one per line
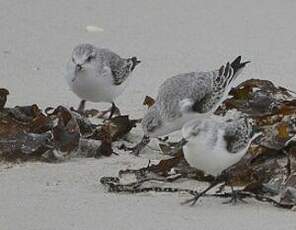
point(221, 188)
point(81, 108)
point(163, 139)
point(192, 200)
point(198, 195)
point(113, 110)
point(135, 150)
point(81, 113)
point(235, 197)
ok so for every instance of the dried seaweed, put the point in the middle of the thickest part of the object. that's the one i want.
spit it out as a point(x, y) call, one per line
point(268, 170)
point(25, 146)
point(23, 119)
point(116, 127)
point(115, 185)
point(3, 97)
point(148, 101)
point(265, 171)
point(26, 133)
point(66, 133)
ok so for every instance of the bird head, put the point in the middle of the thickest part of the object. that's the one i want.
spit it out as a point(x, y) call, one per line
point(82, 55)
point(151, 122)
point(192, 128)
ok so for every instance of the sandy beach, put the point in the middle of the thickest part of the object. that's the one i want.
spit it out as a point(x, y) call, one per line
point(170, 37)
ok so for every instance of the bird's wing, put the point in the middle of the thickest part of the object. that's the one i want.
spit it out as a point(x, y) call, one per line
point(119, 68)
point(205, 96)
point(120, 74)
point(190, 88)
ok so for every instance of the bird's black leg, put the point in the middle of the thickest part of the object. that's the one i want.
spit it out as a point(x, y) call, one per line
point(235, 197)
point(197, 196)
point(114, 110)
point(288, 165)
point(81, 108)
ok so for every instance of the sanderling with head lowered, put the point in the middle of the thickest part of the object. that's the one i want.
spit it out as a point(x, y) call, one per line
point(183, 96)
point(98, 74)
point(215, 143)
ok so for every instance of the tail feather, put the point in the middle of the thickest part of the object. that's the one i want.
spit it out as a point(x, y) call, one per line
point(227, 69)
point(238, 65)
point(226, 75)
point(135, 61)
point(231, 71)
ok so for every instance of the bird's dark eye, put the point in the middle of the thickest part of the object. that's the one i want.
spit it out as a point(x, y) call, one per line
point(88, 59)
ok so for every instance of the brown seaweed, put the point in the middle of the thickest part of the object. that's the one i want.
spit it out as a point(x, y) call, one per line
point(268, 168)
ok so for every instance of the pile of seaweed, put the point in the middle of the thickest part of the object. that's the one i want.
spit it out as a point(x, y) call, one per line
point(267, 172)
point(56, 134)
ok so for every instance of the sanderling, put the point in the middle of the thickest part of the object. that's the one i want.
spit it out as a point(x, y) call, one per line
point(215, 143)
point(181, 97)
point(98, 75)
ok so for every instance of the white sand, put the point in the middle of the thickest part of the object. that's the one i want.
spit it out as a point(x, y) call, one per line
point(170, 37)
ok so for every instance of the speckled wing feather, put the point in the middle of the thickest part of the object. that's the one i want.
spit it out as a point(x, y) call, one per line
point(120, 74)
point(193, 86)
point(237, 134)
point(119, 68)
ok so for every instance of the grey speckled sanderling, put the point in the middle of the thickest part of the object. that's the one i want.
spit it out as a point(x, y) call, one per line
point(183, 96)
point(98, 74)
point(215, 143)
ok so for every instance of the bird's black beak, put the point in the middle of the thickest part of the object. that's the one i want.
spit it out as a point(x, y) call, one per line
point(182, 142)
point(78, 68)
point(135, 61)
point(138, 61)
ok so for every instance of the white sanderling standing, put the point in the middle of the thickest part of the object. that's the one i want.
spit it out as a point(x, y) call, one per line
point(215, 143)
point(181, 97)
point(98, 74)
